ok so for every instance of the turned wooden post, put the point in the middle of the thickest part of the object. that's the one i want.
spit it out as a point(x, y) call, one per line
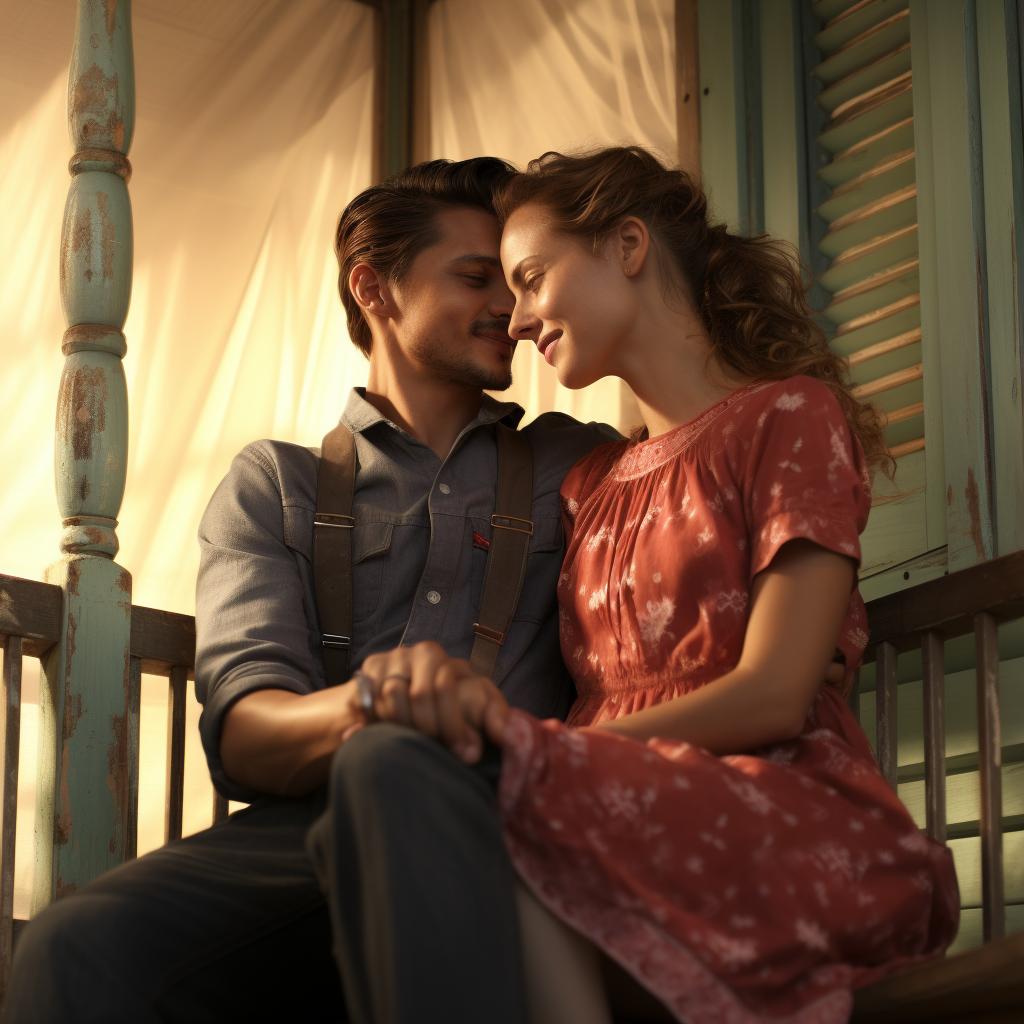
point(87, 786)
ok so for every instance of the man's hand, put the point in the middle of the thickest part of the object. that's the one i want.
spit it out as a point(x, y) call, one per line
point(423, 687)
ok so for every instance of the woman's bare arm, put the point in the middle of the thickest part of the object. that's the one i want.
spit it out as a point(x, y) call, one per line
point(798, 605)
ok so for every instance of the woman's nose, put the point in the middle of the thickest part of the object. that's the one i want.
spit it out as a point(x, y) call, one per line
point(523, 325)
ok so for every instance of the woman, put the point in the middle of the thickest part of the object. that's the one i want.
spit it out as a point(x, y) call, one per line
point(710, 816)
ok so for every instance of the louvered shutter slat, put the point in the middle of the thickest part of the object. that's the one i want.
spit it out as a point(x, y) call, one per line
point(871, 241)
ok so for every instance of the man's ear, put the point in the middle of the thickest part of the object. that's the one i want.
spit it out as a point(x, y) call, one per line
point(371, 291)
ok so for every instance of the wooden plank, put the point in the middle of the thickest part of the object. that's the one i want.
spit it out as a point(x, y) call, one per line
point(175, 789)
point(956, 179)
point(162, 639)
point(935, 464)
point(934, 684)
point(961, 987)
point(131, 826)
point(10, 744)
point(31, 610)
point(1002, 136)
point(721, 100)
point(886, 712)
point(688, 87)
point(781, 117)
point(948, 604)
point(986, 655)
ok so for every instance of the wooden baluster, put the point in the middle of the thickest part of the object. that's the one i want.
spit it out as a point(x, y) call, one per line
point(84, 791)
point(853, 698)
point(933, 659)
point(175, 795)
point(220, 807)
point(10, 724)
point(990, 759)
point(131, 827)
point(886, 696)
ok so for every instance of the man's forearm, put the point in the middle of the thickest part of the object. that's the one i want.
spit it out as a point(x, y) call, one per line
point(279, 742)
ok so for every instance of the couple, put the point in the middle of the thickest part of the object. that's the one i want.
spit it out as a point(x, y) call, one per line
point(709, 818)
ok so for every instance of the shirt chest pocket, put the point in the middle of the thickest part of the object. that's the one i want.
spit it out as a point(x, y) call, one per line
point(371, 543)
point(537, 599)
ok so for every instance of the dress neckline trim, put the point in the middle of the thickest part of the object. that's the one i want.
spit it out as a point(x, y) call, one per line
point(646, 456)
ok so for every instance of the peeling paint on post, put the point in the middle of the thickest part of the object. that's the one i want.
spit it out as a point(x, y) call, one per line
point(87, 786)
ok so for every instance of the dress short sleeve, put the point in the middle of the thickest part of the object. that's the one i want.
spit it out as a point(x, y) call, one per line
point(806, 475)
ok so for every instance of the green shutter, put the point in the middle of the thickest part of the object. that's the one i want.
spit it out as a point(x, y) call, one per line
point(872, 278)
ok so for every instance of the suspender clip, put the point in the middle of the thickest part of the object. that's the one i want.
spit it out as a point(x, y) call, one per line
point(512, 523)
point(347, 522)
point(333, 640)
point(486, 633)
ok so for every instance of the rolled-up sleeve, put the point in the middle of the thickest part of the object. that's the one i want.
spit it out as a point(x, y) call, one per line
point(251, 629)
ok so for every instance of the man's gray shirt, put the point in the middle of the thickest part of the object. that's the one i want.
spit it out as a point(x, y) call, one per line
point(417, 568)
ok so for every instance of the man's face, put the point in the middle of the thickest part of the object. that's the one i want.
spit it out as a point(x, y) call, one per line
point(454, 305)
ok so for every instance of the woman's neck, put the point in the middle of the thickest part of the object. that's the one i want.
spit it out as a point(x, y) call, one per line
point(669, 366)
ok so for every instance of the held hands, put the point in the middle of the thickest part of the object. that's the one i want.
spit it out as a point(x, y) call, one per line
point(424, 688)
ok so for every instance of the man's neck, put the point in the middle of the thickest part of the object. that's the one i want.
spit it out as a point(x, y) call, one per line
point(433, 411)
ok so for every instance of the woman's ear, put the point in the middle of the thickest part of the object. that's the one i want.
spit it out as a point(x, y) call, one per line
point(632, 242)
point(370, 290)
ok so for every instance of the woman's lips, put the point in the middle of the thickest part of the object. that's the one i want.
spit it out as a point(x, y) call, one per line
point(546, 346)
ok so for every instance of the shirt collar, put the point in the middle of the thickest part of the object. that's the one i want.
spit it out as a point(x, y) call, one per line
point(360, 415)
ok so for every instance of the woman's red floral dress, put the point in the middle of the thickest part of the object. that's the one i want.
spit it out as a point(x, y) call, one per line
point(755, 887)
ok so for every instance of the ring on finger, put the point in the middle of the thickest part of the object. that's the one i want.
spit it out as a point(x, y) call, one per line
point(365, 696)
point(395, 675)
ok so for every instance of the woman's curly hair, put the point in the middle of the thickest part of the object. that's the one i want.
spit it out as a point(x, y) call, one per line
point(749, 291)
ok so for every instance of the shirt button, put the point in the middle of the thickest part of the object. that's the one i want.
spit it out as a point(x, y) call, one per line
point(445, 489)
point(433, 597)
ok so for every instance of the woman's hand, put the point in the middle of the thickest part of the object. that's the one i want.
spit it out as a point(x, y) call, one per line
point(422, 687)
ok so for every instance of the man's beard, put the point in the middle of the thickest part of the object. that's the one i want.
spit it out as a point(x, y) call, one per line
point(451, 365)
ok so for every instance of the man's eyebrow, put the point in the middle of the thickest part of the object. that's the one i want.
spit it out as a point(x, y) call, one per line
point(473, 257)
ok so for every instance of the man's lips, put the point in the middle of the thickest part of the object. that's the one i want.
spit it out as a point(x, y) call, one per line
point(493, 335)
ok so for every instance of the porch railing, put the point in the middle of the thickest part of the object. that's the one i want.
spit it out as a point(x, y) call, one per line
point(162, 643)
point(975, 600)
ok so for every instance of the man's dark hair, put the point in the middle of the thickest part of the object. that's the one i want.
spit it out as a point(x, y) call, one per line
point(389, 225)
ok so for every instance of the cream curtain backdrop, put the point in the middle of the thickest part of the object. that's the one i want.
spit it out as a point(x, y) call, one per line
point(253, 132)
point(515, 78)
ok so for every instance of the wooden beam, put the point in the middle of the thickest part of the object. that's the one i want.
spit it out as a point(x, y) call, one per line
point(688, 87)
point(401, 106)
point(948, 604)
point(83, 817)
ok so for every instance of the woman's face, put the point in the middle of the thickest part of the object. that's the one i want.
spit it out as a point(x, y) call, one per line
point(578, 307)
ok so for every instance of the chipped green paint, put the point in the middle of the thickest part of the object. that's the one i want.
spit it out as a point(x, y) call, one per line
point(87, 785)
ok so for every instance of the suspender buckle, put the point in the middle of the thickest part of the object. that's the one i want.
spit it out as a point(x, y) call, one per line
point(486, 633)
point(334, 640)
point(512, 523)
point(346, 522)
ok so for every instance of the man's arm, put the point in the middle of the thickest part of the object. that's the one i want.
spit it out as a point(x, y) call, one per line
point(276, 741)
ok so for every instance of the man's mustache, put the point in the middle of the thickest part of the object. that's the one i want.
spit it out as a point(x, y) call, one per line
point(490, 325)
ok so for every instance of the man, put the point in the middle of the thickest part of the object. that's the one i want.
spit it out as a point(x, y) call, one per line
point(236, 922)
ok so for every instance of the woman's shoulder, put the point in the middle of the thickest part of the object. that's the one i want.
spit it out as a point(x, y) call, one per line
point(808, 397)
point(587, 475)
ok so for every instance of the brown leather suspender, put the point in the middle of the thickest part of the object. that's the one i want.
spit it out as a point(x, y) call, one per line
point(332, 549)
point(512, 527)
point(511, 530)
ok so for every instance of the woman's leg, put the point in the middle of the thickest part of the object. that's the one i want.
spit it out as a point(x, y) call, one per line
point(563, 969)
